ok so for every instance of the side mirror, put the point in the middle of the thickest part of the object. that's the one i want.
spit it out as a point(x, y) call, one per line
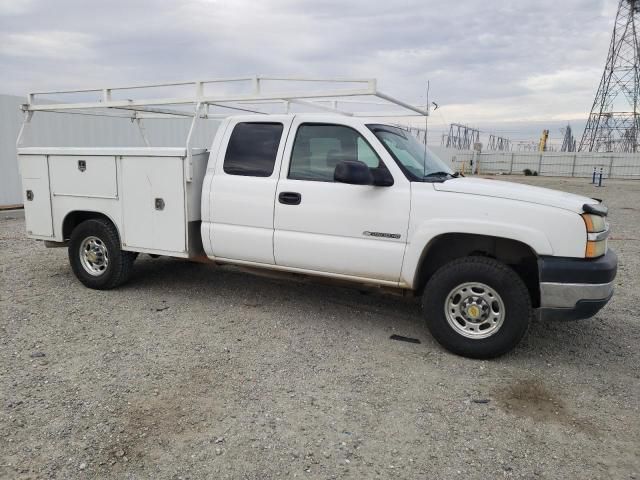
point(382, 177)
point(353, 172)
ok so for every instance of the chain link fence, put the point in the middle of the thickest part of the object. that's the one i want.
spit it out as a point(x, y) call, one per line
point(552, 164)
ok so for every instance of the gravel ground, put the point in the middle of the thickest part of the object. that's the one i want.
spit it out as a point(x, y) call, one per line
point(195, 371)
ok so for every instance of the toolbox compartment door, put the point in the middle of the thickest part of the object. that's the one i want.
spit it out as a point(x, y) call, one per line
point(153, 203)
point(83, 176)
point(36, 195)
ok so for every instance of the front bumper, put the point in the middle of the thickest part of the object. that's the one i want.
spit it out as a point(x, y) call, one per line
point(575, 288)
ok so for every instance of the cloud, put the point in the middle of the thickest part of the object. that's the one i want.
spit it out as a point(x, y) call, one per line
point(563, 81)
point(47, 45)
point(15, 7)
point(487, 62)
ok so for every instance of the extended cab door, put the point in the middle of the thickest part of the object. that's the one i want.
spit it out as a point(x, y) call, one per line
point(243, 189)
point(338, 228)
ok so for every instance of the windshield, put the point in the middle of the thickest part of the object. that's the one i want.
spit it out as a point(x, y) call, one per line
point(410, 154)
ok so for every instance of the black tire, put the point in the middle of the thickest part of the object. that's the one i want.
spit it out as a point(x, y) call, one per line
point(119, 265)
point(494, 274)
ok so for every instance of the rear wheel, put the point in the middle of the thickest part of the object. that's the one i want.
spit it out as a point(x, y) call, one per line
point(95, 255)
point(477, 307)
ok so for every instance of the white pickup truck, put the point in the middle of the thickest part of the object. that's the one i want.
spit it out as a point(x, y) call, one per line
point(337, 196)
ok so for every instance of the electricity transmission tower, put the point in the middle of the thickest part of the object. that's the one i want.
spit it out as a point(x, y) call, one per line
point(461, 137)
point(614, 121)
point(569, 142)
point(500, 144)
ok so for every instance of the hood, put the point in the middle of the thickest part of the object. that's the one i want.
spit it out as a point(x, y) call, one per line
point(515, 191)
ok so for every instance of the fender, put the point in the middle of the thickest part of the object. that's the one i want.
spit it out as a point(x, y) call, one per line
point(427, 231)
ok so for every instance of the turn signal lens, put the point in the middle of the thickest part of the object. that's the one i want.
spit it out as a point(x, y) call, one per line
point(596, 249)
point(594, 223)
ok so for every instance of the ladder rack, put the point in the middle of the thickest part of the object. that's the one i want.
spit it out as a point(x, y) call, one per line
point(257, 95)
point(240, 95)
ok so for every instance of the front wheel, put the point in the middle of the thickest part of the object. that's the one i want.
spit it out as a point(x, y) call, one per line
point(477, 307)
point(95, 255)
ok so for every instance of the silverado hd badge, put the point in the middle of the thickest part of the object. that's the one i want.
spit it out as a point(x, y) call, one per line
point(381, 234)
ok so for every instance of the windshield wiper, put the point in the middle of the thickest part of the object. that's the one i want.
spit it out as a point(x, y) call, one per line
point(441, 174)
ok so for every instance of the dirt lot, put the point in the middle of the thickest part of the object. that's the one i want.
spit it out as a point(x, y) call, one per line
point(193, 371)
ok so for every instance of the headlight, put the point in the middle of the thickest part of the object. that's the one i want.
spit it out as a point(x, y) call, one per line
point(597, 233)
point(594, 223)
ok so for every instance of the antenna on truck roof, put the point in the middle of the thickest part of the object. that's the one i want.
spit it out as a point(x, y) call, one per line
point(426, 133)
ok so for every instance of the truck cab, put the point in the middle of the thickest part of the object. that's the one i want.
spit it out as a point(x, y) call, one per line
point(353, 199)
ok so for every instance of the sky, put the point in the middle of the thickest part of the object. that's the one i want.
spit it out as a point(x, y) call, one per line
point(507, 67)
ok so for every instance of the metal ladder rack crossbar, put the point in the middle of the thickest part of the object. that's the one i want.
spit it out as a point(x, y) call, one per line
point(334, 100)
point(357, 88)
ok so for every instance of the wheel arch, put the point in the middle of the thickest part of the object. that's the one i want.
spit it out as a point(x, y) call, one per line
point(446, 247)
point(75, 217)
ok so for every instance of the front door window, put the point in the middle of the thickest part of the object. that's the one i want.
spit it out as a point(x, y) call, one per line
point(318, 148)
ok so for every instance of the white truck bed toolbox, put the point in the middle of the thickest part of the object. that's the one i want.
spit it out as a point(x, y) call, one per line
point(143, 190)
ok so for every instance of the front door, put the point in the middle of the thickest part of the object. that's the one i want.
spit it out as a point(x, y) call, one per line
point(243, 189)
point(337, 228)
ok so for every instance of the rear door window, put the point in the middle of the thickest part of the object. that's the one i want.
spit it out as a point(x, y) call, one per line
point(252, 149)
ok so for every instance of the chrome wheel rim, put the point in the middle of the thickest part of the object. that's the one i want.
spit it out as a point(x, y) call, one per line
point(94, 256)
point(474, 310)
